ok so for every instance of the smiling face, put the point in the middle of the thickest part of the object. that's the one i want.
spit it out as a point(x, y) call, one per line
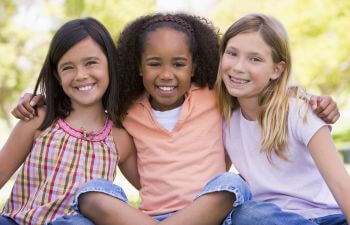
point(83, 73)
point(247, 66)
point(166, 68)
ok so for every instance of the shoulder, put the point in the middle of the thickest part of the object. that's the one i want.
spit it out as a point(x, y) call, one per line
point(201, 96)
point(300, 110)
point(303, 123)
point(123, 142)
point(297, 105)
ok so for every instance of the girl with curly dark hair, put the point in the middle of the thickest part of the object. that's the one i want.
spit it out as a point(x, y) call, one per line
point(168, 66)
point(168, 63)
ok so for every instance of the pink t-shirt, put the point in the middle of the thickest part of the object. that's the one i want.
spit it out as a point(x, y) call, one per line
point(175, 165)
point(295, 186)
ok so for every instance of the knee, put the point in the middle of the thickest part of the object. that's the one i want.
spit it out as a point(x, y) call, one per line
point(231, 183)
point(92, 203)
point(227, 179)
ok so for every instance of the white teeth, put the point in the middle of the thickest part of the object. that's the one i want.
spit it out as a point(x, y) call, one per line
point(85, 88)
point(166, 88)
point(238, 81)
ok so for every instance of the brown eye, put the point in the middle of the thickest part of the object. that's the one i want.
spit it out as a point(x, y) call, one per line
point(66, 68)
point(89, 63)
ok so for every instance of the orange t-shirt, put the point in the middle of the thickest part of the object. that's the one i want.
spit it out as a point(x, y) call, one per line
point(174, 166)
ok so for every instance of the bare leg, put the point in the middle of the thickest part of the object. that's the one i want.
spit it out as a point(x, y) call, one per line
point(209, 209)
point(103, 209)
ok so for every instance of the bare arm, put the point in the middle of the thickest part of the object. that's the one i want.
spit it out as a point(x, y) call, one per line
point(127, 152)
point(331, 167)
point(14, 152)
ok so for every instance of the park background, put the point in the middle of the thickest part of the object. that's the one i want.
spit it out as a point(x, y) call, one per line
point(318, 32)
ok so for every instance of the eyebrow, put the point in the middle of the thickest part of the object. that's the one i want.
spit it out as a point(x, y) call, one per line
point(250, 53)
point(175, 58)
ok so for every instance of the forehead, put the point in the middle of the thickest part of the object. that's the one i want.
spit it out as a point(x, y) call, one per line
point(249, 42)
point(84, 48)
point(166, 39)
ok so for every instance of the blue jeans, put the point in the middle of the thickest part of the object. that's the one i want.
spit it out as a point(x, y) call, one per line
point(229, 182)
point(73, 219)
point(4, 220)
point(262, 213)
point(246, 212)
point(77, 219)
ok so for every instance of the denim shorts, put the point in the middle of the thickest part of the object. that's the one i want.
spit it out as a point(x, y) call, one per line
point(229, 182)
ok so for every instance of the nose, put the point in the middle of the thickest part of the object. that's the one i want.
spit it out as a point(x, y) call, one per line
point(81, 73)
point(238, 65)
point(166, 73)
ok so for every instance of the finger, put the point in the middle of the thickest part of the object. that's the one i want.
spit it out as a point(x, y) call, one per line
point(313, 102)
point(16, 113)
point(325, 105)
point(335, 119)
point(36, 100)
point(27, 107)
point(331, 117)
point(23, 110)
point(327, 109)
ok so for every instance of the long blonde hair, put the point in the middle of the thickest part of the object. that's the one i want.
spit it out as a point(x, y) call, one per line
point(274, 98)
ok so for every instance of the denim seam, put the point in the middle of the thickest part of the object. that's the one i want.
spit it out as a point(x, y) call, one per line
point(239, 197)
point(114, 193)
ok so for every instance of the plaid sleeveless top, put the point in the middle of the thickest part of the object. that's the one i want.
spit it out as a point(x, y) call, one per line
point(62, 159)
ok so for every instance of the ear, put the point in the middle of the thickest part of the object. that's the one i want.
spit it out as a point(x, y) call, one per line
point(278, 70)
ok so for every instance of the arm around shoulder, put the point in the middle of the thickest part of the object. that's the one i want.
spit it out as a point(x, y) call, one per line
point(14, 152)
point(128, 158)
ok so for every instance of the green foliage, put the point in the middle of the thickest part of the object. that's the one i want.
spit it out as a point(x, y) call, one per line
point(114, 14)
point(342, 139)
point(15, 60)
point(23, 50)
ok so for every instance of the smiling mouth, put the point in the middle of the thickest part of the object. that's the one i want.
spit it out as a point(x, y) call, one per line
point(238, 80)
point(166, 88)
point(85, 88)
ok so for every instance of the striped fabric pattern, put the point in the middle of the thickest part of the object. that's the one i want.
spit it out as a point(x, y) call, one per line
point(62, 159)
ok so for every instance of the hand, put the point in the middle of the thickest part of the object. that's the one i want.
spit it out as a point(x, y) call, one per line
point(325, 107)
point(25, 107)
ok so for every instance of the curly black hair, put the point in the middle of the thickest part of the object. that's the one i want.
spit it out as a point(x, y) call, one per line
point(203, 40)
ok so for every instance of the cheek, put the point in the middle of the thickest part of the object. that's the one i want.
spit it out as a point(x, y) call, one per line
point(225, 64)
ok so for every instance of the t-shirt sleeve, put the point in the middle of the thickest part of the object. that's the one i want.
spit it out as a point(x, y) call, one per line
point(303, 121)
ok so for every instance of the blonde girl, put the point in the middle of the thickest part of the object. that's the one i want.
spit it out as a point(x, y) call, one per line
point(280, 147)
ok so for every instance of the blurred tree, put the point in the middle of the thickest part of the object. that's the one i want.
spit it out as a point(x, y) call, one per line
point(114, 14)
point(23, 50)
point(15, 60)
point(319, 39)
